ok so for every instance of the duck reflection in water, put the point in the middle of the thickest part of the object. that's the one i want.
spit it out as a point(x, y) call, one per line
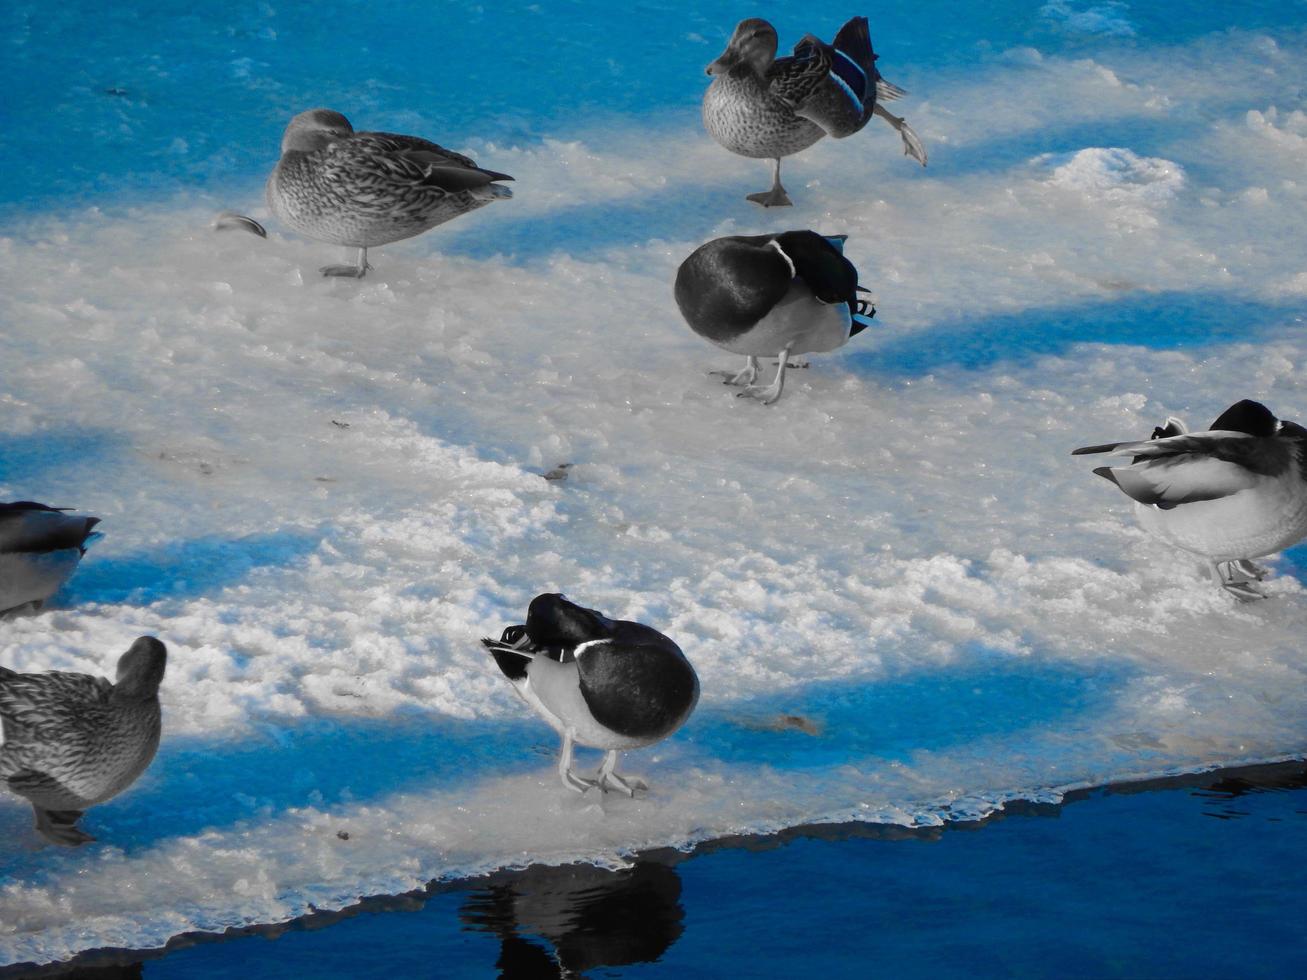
point(562, 921)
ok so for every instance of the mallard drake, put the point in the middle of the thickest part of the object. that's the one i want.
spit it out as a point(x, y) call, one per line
point(40, 547)
point(1233, 493)
point(759, 105)
point(368, 189)
point(73, 740)
point(606, 683)
point(762, 295)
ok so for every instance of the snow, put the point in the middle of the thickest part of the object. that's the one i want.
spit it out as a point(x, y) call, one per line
point(321, 493)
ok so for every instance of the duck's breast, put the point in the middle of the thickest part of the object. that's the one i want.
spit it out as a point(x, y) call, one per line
point(742, 115)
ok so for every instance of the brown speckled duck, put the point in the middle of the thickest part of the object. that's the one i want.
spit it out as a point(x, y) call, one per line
point(73, 740)
point(366, 189)
point(40, 547)
point(759, 105)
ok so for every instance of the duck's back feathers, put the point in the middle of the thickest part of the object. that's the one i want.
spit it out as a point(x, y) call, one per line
point(728, 284)
point(35, 707)
point(404, 160)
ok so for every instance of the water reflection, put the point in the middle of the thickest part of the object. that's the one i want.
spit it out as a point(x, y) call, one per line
point(559, 922)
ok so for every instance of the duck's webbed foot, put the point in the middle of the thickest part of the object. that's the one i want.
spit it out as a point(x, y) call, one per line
point(574, 782)
point(60, 827)
point(570, 779)
point(744, 377)
point(774, 198)
point(609, 779)
point(770, 393)
point(1232, 577)
point(1245, 570)
point(912, 145)
point(356, 271)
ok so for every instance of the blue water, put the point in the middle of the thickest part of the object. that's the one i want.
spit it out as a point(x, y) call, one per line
point(1198, 877)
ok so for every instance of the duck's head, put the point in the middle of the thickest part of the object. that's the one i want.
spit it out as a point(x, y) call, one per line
point(753, 44)
point(140, 670)
point(551, 620)
point(314, 130)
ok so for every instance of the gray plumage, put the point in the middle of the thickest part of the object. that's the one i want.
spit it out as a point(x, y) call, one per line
point(73, 740)
point(40, 547)
point(366, 189)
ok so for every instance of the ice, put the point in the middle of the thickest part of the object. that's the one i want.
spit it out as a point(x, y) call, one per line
point(1110, 19)
point(906, 601)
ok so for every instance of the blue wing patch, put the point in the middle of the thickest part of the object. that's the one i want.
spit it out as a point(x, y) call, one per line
point(850, 77)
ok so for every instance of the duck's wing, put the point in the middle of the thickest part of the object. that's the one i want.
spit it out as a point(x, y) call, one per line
point(1187, 468)
point(831, 277)
point(794, 79)
point(26, 526)
point(404, 161)
point(840, 80)
point(35, 706)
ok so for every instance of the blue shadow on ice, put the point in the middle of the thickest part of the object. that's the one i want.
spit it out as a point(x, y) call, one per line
point(183, 569)
point(1157, 321)
point(837, 722)
point(679, 213)
point(51, 458)
point(197, 783)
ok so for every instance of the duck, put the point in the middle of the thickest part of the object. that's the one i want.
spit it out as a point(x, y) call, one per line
point(1233, 493)
point(40, 547)
point(605, 683)
point(73, 740)
point(361, 190)
point(759, 105)
point(763, 295)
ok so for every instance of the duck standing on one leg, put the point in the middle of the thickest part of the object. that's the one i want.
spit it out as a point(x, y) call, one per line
point(764, 295)
point(72, 740)
point(367, 189)
point(759, 105)
point(1231, 494)
point(40, 547)
point(606, 683)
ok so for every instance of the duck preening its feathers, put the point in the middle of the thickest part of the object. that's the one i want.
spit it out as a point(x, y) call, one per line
point(763, 295)
point(605, 683)
point(1232, 493)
